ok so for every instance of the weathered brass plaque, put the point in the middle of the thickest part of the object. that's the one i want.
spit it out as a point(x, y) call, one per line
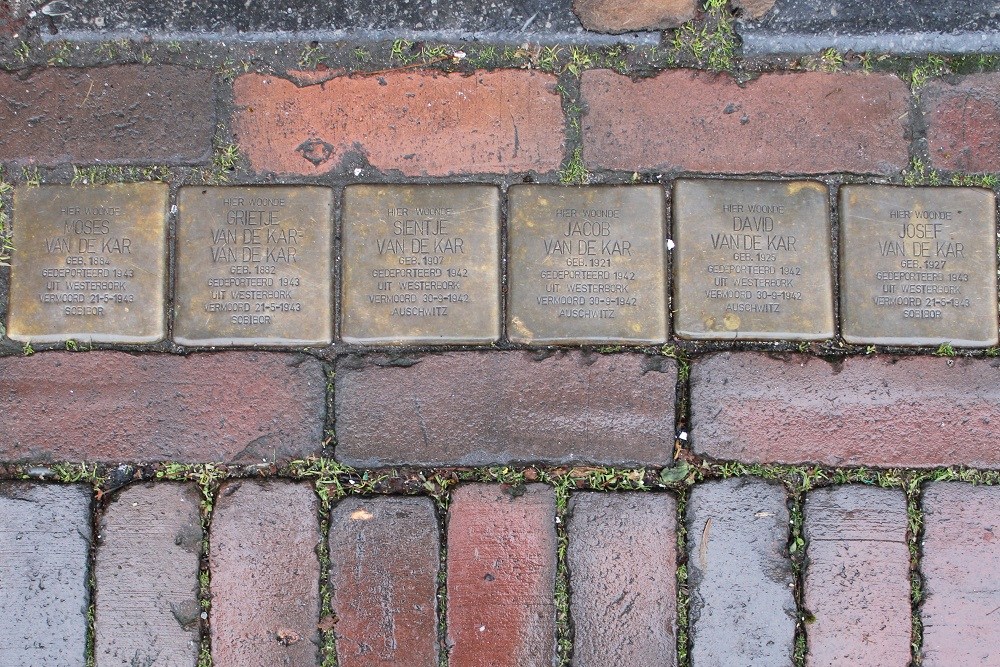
point(421, 264)
point(587, 264)
point(253, 266)
point(89, 263)
point(918, 266)
point(752, 260)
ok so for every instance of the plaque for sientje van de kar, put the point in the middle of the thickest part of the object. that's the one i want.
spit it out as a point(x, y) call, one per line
point(918, 266)
point(587, 264)
point(753, 260)
point(253, 266)
point(421, 264)
point(89, 263)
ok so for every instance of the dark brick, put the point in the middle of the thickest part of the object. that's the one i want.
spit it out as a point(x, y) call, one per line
point(857, 582)
point(963, 122)
point(44, 542)
point(617, 16)
point(265, 575)
point(808, 123)
point(742, 609)
point(623, 570)
point(501, 577)
point(874, 410)
point(118, 115)
point(961, 571)
point(484, 408)
point(147, 577)
point(417, 123)
point(238, 407)
point(384, 565)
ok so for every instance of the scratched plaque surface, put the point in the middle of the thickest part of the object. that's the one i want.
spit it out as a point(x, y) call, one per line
point(90, 263)
point(253, 266)
point(752, 260)
point(918, 266)
point(587, 264)
point(421, 264)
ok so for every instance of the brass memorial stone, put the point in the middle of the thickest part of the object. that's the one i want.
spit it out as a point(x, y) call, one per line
point(752, 260)
point(587, 264)
point(918, 266)
point(421, 264)
point(89, 263)
point(253, 266)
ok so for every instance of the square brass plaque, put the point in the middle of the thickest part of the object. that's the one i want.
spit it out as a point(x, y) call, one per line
point(918, 266)
point(587, 264)
point(421, 264)
point(89, 263)
point(752, 260)
point(253, 266)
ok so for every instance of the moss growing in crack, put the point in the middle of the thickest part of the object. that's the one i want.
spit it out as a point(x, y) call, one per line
point(6, 242)
point(101, 174)
point(574, 172)
point(710, 43)
point(920, 173)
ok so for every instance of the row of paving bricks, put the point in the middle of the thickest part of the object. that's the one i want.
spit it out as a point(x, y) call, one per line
point(495, 590)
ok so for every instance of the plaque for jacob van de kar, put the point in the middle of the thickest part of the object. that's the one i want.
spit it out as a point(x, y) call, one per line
point(253, 266)
point(918, 266)
point(421, 264)
point(752, 260)
point(587, 264)
point(89, 263)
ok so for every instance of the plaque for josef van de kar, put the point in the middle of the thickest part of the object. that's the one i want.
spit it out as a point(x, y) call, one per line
point(253, 266)
point(89, 263)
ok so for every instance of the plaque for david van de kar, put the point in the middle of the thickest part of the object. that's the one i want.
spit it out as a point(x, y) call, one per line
point(421, 264)
point(918, 266)
point(253, 266)
point(752, 260)
point(587, 264)
point(89, 263)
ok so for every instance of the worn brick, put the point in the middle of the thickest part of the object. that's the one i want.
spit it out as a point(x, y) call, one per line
point(149, 544)
point(873, 410)
point(740, 577)
point(963, 122)
point(44, 541)
point(961, 574)
point(482, 408)
point(417, 123)
point(501, 576)
point(857, 582)
point(617, 16)
point(121, 114)
point(238, 407)
point(623, 568)
point(805, 123)
point(265, 575)
point(383, 570)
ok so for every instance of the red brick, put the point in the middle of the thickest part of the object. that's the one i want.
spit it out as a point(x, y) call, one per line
point(961, 572)
point(857, 583)
point(265, 575)
point(483, 408)
point(148, 549)
point(417, 123)
point(122, 114)
point(623, 572)
point(501, 577)
point(963, 122)
point(872, 410)
point(740, 578)
point(616, 16)
point(45, 542)
point(384, 565)
point(237, 407)
point(808, 123)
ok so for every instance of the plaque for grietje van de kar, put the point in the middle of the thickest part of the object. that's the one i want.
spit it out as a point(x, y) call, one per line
point(752, 260)
point(421, 264)
point(89, 263)
point(254, 266)
point(587, 264)
point(918, 266)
